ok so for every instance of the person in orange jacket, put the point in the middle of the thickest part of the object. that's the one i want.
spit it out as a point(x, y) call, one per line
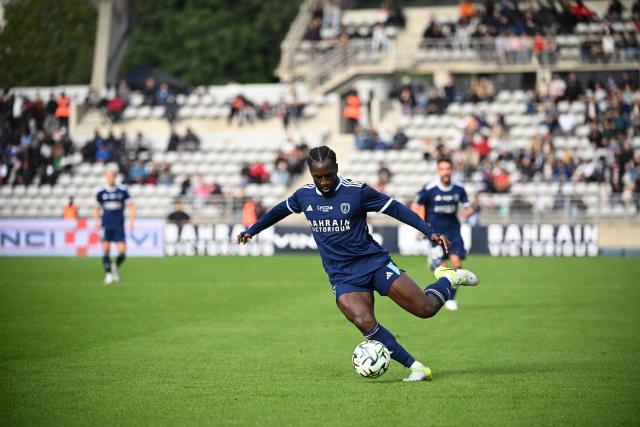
point(352, 110)
point(62, 112)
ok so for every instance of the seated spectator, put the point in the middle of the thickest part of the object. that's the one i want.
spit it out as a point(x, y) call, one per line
point(384, 177)
point(162, 94)
point(138, 173)
point(281, 174)
point(258, 173)
point(394, 15)
point(615, 10)
point(498, 180)
point(400, 140)
point(567, 122)
point(165, 177)
point(313, 30)
point(115, 107)
point(190, 142)
point(582, 12)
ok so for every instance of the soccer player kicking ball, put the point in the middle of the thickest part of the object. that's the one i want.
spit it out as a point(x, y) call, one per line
point(336, 209)
point(111, 200)
point(440, 199)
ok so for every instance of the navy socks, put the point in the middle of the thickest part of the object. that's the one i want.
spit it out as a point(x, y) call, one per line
point(106, 263)
point(442, 290)
point(398, 353)
point(120, 259)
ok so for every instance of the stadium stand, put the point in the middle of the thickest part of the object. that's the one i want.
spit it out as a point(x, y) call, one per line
point(563, 149)
point(42, 167)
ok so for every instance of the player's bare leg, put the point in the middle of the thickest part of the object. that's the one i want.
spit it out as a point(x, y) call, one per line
point(106, 262)
point(408, 295)
point(358, 308)
point(122, 254)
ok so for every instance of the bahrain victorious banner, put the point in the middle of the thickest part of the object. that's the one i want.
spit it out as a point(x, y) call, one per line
point(537, 240)
point(220, 239)
point(565, 240)
point(496, 240)
point(26, 237)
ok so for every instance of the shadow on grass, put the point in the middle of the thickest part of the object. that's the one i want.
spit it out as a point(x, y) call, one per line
point(485, 371)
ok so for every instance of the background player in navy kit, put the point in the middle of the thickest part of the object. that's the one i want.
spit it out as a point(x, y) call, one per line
point(112, 199)
point(336, 209)
point(440, 199)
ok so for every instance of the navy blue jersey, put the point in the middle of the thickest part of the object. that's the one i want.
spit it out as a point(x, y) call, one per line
point(112, 200)
point(441, 205)
point(339, 227)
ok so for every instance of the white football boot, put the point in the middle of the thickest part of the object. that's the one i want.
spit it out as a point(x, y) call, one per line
point(419, 372)
point(114, 273)
point(457, 277)
point(108, 279)
point(451, 305)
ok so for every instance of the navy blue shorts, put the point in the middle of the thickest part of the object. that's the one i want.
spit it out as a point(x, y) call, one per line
point(113, 234)
point(380, 281)
point(457, 245)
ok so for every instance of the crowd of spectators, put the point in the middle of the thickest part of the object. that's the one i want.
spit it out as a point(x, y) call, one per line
point(612, 112)
point(34, 141)
point(133, 157)
point(518, 32)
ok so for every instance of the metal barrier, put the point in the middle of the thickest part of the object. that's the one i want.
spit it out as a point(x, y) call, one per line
point(519, 50)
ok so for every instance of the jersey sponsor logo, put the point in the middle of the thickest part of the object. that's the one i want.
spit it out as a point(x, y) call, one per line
point(112, 206)
point(446, 197)
point(345, 208)
point(330, 225)
point(324, 208)
point(309, 209)
point(445, 209)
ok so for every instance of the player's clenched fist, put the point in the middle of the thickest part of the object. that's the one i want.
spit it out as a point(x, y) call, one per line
point(244, 237)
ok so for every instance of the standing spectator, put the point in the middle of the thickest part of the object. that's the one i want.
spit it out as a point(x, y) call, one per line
point(467, 10)
point(50, 122)
point(352, 110)
point(62, 110)
point(178, 216)
point(574, 88)
point(149, 91)
point(70, 210)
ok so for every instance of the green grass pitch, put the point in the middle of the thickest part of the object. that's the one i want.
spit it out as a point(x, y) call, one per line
point(259, 341)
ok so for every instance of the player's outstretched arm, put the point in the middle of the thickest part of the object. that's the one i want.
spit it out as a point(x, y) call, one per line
point(405, 215)
point(96, 216)
point(271, 217)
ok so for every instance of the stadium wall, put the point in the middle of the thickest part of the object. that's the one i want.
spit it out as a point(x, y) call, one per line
point(155, 237)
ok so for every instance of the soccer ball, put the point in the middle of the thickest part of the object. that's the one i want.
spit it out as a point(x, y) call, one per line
point(371, 359)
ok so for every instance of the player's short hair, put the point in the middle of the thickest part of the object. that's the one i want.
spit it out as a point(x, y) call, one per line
point(445, 160)
point(321, 154)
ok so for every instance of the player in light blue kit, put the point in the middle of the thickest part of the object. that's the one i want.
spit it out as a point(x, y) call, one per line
point(440, 199)
point(112, 199)
point(336, 209)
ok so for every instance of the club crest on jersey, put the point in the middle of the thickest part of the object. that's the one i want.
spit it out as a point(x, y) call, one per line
point(345, 208)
